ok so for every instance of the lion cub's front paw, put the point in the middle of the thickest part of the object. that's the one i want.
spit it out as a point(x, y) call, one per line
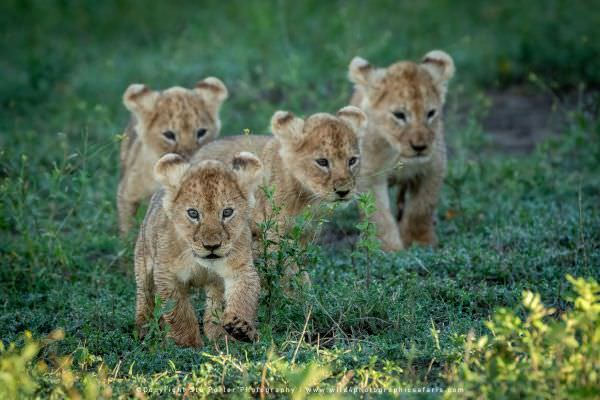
point(187, 340)
point(392, 246)
point(425, 237)
point(239, 329)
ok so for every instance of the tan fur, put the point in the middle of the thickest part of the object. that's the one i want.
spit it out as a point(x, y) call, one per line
point(289, 159)
point(183, 112)
point(409, 152)
point(171, 249)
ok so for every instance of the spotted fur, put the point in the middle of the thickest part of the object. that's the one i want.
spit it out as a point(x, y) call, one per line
point(192, 117)
point(176, 251)
point(290, 160)
point(404, 144)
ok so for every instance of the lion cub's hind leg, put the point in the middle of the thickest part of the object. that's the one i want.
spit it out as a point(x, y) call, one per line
point(126, 208)
point(129, 196)
point(144, 300)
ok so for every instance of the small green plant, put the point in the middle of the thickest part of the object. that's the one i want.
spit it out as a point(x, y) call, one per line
point(368, 248)
point(537, 356)
point(271, 265)
point(157, 330)
point(282, 250)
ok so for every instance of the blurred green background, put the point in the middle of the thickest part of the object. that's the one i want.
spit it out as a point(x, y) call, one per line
point(276, 54)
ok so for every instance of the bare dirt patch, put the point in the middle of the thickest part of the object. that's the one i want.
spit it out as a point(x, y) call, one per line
point(519, 118)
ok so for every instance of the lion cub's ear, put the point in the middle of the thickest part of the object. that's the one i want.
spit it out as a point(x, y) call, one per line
point(354, 117)
point(440, 66)
point(169, 169)
point(362, 73)
point(139, 99)
point(213, 91)
point(249, 171)
point(287, 127)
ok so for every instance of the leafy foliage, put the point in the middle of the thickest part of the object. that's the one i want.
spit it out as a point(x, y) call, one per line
point(286, 252)
point(368, 248)
point(21, 376)
point(537, 356)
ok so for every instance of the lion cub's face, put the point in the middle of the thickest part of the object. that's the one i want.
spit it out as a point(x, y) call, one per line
point(322, 152)
point(209, 202)
point(404, 101)
point(177, 120)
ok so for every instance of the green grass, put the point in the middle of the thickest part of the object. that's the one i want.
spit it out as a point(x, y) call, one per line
point(506, 223)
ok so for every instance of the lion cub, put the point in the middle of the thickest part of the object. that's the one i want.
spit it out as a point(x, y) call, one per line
point(306, 161)
point(196, 234)
point(404, 143)
point(176, 120)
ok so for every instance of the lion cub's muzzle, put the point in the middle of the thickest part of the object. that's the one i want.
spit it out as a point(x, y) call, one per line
point(343, 190)
point(212, 248)
point(210, 251)
point(420, 142)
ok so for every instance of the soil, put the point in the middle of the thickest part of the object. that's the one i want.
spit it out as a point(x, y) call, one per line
point(518, 119)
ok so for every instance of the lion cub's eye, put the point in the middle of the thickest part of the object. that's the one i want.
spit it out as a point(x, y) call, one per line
point(193, 213)
point(228, 212)
point(431, 113)
point(200, 133)
point(352, 161)
point(400, 115)
point(322, 162)
point(170, 135)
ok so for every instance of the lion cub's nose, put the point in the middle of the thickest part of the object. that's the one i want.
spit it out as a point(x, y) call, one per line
point(418, 147)
point(342, 193)
point(211, 247)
